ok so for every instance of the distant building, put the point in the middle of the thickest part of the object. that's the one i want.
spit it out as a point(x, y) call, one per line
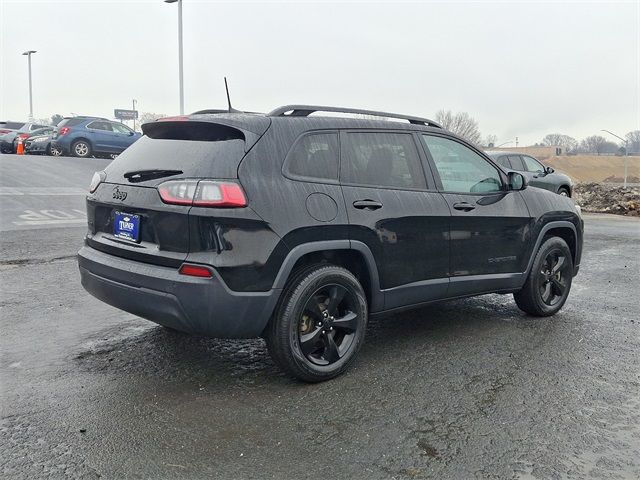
point(538, 152)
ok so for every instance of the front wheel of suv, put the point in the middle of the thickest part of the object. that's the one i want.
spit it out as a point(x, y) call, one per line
point(319, 325)
point(81, 149)
point(549, 281)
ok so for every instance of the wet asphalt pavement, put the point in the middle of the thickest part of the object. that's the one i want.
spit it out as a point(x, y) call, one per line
point(465, 389)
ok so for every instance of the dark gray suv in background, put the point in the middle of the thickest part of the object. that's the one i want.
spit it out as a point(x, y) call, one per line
point(537, 174)
point(298, 228)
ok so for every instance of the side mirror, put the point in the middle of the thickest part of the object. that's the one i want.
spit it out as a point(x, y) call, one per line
point(517, 181)
point(549, 170)
point(131, 134)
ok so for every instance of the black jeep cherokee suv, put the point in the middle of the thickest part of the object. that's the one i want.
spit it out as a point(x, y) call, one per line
point(298, 227)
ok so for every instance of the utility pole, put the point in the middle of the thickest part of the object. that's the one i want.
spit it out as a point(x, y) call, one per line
point(28, 54)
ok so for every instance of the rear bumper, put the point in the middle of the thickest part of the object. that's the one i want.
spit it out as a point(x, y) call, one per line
point(160, 294)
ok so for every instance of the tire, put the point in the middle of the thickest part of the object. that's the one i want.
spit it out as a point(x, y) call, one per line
point(81, 148)
point(564, 191)
point(311, 337)
point(549, 281)
point(54, 151)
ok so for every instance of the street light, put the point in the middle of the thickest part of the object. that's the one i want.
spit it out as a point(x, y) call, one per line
point(626, 153)
point(179, 52)
point(134, 115)
point(28, 54)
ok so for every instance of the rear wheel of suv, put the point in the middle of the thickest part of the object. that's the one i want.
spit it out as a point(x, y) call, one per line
point(319, 325)
point(549, 281)
point(564, 191)
point(81, 148)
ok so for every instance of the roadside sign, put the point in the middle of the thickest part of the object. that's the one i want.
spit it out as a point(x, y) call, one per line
point(122, 114)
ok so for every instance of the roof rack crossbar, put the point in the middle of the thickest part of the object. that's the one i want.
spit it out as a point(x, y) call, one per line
point(306, 110)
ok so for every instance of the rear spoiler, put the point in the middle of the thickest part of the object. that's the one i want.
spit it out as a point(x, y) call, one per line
point(196, 128)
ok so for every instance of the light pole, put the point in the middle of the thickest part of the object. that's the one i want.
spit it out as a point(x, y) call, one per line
point(626, 154)
point(28, 54)
point(179, 52)
point(134, 115)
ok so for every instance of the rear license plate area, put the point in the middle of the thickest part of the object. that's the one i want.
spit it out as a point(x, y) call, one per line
point(127, 226)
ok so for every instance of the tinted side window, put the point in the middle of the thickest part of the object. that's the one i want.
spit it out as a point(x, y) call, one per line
point(460, 168)
point(504, 161)
point(100, 126)
point(70, 122)
point(381, 159)
point(516, 163)
point(120, 128)
point(315, 156)
point(533, 165)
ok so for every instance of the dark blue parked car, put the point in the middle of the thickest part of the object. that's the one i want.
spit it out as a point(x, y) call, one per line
point(87, 136)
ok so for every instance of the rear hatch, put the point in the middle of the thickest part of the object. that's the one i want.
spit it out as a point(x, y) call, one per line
point(189, 149)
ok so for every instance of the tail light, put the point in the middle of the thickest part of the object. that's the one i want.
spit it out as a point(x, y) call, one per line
point(195, 271)
point(202, 193)
point(97, 179)
point(22, 136)
point(63, 131)
point(2, 132)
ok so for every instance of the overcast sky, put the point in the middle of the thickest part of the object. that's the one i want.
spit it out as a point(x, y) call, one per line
point(521, 69)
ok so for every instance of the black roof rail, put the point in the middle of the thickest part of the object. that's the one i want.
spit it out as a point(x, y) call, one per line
point(306, 110)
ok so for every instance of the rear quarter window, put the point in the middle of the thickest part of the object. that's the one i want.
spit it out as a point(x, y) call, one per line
point(314, 156)
point(70, 122)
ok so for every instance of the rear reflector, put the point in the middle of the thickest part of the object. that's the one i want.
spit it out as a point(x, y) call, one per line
point(202, 193)
point(195, 271)
point(63, 131)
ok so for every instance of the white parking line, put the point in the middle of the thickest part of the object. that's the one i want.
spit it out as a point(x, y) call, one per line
point(51, 222)
point(51, 217)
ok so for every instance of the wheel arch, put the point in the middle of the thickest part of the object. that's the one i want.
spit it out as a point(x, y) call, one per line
point(567, 187)
point(353, 255)
point(563, 229)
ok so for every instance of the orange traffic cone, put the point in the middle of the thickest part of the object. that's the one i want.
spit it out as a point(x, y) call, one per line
point(20, 148)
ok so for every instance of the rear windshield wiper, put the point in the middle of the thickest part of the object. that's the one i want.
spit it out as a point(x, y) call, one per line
point(143, 175)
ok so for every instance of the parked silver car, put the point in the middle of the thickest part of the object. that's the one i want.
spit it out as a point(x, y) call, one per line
point(537, 174)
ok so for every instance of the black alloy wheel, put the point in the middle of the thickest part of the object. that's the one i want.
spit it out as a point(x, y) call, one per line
point(320, 323)
point(549, 281)
point(328, 324)
point(552, 281)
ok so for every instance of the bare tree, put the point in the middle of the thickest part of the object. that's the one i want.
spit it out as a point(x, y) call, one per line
point(461, 123)
point(634, 141)
point(594, 144)
point(560, 140)
point(56, 118)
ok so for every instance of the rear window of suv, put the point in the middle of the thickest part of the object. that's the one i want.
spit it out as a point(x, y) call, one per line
point(198, 149)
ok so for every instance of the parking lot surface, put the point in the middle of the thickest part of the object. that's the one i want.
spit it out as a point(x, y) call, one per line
point(465, 389)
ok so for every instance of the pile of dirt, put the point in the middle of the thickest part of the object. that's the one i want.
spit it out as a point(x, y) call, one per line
point(599, 198)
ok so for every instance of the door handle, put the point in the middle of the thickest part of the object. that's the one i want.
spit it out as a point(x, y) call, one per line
point(464, 206)
point(367, 204)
